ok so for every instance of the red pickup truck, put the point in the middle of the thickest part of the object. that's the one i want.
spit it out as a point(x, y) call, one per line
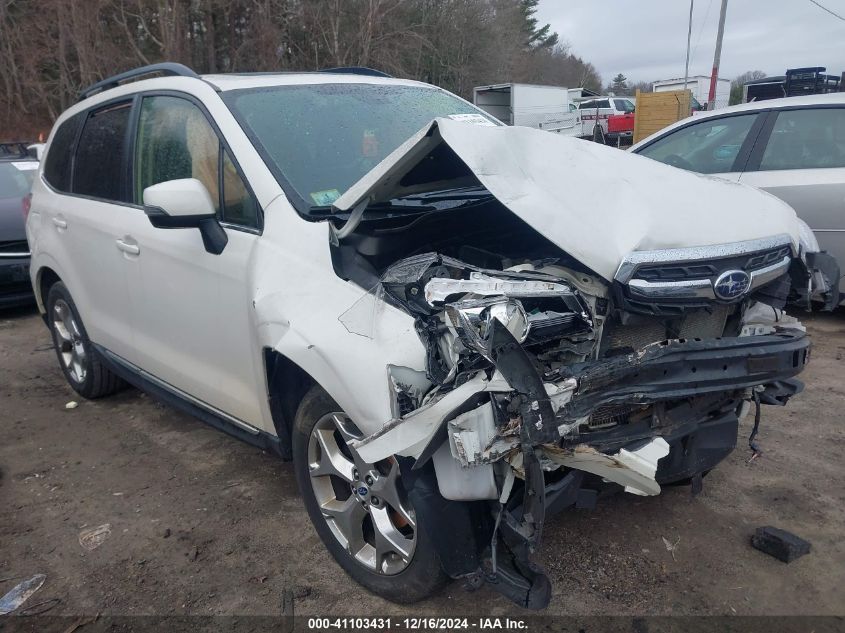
point(613, 116)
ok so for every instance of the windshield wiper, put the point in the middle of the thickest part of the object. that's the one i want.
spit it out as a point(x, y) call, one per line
point(458, 193)
point(407, 205)
point(374, 211)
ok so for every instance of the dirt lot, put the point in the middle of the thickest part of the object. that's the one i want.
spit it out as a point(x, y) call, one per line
point(203, 524)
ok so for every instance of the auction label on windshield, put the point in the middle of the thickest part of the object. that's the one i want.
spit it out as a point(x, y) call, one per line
point(477, 119)
point(432, 623)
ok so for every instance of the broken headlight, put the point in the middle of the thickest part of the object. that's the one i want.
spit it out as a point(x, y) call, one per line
point(471, 320)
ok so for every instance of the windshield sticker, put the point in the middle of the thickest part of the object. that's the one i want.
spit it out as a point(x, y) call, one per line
point(477, 119)
point(26, 166)
point(369, 144)
point(325, 198)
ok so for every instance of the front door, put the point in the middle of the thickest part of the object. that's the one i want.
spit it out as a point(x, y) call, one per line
point(193, 308)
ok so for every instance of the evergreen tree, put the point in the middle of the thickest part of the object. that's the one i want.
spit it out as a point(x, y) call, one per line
point(620, 84)
point(538, 36)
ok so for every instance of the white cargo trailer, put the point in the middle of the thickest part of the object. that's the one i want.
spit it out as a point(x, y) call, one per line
point(700, 86)
point(543, 107)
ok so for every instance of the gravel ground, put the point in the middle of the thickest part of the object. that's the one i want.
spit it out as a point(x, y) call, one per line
point(202, 524)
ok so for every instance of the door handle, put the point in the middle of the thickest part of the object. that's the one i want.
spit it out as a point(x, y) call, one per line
point(60, 223)
point(128, 247)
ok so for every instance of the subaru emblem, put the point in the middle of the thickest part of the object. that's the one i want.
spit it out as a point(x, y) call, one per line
point(731, 284)
point(362, 491)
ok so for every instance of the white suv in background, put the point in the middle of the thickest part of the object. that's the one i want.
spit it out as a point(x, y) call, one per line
point(373, 278)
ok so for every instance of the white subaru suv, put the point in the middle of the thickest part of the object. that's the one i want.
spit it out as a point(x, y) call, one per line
point(452, 327)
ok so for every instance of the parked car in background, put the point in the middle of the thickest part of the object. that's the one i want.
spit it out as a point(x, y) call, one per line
point(451, 331)
point(594, 119)
point(16, 176)
point(35, 150)
point(794, 148)
point(13, 149)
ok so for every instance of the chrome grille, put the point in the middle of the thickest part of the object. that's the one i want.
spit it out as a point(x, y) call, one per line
point(673, 281)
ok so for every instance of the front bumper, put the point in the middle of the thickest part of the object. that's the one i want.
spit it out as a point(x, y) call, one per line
point(15, 285)
point(694, 389)
point(664, 371)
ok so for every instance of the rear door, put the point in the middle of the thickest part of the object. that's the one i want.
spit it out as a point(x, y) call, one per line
point(800, 158)
point(86, 222)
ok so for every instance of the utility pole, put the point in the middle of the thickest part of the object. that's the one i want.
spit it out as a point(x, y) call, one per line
point(711, 98)
point(689, 35)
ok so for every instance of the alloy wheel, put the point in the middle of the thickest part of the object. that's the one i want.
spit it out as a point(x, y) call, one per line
point(69, 342)
point(363, 504)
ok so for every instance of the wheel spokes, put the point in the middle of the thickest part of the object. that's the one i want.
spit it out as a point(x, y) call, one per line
point(332, 461)
point(388, 539)
point(348, 519)
point(69, 342)
point(59, 325)
point(364, 508)
point(386, 488)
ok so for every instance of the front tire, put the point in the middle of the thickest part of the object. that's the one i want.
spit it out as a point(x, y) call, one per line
point(360, 510)
point(81, 364)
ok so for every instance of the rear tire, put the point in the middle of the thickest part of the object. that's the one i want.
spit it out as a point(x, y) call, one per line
point(358, 528)
point(80, 363)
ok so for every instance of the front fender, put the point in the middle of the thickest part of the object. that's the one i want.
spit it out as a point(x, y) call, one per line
point(351, 367)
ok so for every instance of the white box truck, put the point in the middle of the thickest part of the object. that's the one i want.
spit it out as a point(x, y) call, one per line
point(700, 86)
point(543, 107)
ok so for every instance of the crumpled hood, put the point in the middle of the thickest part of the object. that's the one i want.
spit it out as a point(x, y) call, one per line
point(596, 203)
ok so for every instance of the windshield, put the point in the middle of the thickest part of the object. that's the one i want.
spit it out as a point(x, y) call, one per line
point(320, 139)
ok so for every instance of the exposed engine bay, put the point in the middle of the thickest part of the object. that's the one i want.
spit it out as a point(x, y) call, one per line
point(550, 378)
point(538, 393)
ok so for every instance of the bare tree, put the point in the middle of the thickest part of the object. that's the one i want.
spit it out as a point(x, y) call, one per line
point(52, 49)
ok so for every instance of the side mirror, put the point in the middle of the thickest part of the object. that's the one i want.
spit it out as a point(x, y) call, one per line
point(185, 204)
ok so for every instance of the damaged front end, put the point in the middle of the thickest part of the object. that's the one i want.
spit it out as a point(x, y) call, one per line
point(540, 391)
point(567, 352)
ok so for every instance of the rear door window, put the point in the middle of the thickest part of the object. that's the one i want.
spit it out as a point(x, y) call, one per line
point(708, 147)
point(806, 139)
point(101, 154)
point(57, 164)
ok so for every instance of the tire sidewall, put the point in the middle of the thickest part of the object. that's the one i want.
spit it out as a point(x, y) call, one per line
point(421, 578)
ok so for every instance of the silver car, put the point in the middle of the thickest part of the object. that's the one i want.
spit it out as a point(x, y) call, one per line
point(793, 148)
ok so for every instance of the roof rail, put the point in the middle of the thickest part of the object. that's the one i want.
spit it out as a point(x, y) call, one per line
point(165, 68)
point(355, 70)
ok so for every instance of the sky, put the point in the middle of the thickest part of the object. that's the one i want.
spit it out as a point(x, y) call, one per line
point(646, 40)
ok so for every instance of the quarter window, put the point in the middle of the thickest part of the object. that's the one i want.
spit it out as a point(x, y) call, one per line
point(239, 207)
point(175, 140)
point(100, 156)
point(708, 147)
point(806, 139)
